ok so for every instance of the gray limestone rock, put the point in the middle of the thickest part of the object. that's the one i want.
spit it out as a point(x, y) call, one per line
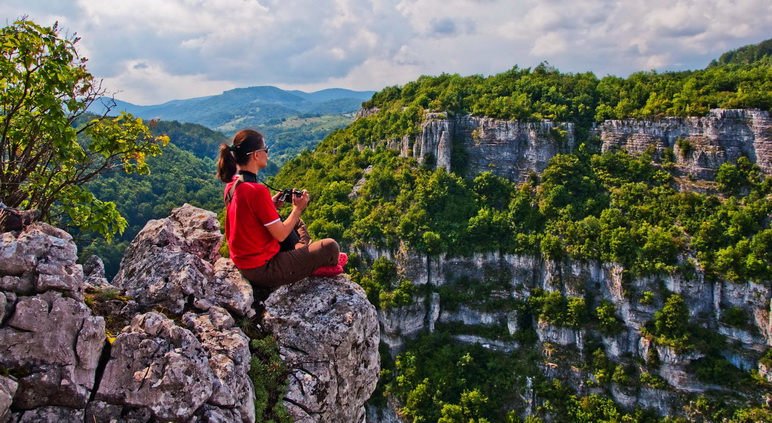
point(7, 391)
point(229, 358)
point(510, 149)
point(3, 304)
point(39, 259)
point(23, 285)
point(721, 137)
point(60, 342)
point(94, 274)
point(230, 290)
point(560, 335)
point(65, 277)
point(51, 414)
point(327, 334)
point(514, 149)
point(171, 260)
point(100, 411)
point(94, 267)
point(402, 323)
point(211, 414)
point(158, 365)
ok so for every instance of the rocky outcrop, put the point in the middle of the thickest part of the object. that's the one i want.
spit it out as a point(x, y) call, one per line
point(8, 389)
point(156, 364)
point(328, 345)
point(49, 340)
point(514, 149)
point(179, 357)
point(170, 262)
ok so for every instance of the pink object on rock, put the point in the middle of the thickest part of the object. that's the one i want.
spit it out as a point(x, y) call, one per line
point(332, 270)
point(328, 271)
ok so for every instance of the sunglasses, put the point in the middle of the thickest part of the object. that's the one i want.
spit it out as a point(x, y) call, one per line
point(262, 149)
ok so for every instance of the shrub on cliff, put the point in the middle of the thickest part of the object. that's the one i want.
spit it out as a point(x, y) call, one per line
point(671, 323)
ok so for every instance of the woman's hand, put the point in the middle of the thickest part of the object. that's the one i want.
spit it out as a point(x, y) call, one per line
point(276, 202)
point(302, 201)
point(280, 230)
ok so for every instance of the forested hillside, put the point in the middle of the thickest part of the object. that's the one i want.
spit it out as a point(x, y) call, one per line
point(184, 173)
point(755, 53)
point(588, 206)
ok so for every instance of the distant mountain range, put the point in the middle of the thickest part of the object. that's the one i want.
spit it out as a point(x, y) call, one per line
point(292, 121)
point(245, 107)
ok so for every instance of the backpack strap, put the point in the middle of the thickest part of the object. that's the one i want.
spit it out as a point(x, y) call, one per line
point(229, 195)
point(229, 198)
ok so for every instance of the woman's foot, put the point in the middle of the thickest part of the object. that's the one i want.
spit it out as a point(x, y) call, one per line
point(328, 271)
point(333, 270)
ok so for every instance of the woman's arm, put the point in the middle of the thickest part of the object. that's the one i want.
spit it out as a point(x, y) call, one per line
point(280, 230)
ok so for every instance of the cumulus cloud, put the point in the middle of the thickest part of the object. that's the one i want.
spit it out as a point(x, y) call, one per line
point(549, 44)
point(149, 83)
point(157, 50)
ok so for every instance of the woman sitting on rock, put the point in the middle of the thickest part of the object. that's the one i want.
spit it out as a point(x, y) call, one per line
point(254, 230)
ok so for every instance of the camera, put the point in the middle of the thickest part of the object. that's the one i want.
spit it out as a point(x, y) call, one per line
point(286, 195)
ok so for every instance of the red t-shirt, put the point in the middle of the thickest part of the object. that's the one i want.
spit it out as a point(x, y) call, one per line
point(250, 211)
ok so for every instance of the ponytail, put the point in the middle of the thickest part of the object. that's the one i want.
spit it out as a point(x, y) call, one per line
point(244, 143)
point(226, 165)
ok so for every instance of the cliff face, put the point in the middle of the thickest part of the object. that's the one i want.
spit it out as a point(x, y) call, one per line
point(513, 150)
point(706, 301)
point(173, 351)
point(509, 149)
point(705, 143)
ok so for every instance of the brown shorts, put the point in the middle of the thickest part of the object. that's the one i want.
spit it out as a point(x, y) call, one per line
point(291, 266)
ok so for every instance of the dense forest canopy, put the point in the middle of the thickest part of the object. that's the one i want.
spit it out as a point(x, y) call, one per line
point(610, 207)
point(546, 93)
point(761, 52)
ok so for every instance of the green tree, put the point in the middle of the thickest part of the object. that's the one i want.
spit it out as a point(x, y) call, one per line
point(672, 322)
point(733, 178)
point(492, 191)
point(608, 321)
point(176, 177)
point(50, 146)
point(469, 411)
point(729, 178)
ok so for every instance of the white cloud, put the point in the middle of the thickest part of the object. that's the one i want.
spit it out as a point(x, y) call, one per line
point(145, 83)
point(549, 44)
point(196, 47)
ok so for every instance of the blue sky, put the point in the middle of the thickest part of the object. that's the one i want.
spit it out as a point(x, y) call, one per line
point(153, 51)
